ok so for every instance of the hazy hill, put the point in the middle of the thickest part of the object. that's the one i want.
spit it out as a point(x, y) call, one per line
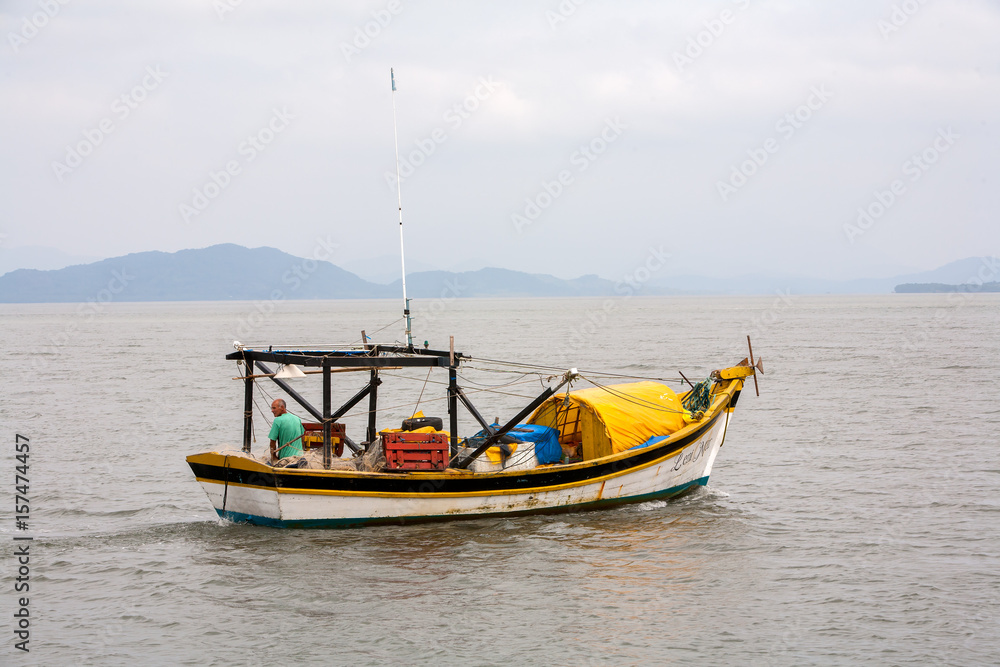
point(218, 273)
point(38, 257)
point(958, 272)
point(231, 272)
point(498, 282)
point(914, 288)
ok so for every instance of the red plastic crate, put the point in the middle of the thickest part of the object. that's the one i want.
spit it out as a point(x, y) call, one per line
point(416, 451)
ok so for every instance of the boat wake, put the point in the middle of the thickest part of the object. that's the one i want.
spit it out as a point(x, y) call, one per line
point(651, 505)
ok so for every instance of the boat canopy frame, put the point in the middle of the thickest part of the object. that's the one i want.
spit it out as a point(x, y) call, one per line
point(373, 358)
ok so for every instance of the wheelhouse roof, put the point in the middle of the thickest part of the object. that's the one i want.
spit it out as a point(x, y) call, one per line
point(375, 356)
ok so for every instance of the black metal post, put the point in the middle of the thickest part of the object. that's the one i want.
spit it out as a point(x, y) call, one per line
point(327, 449)
point(357, 449)
point(453, 407)
point(493, 439)
point(296, 396)
point(372, 405)
point(342, 410)
point(475, 413)
point(317, 415)
point(247, 407)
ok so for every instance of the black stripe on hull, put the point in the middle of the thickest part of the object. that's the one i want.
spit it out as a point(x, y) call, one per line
point(359, 522)
point(411, 484)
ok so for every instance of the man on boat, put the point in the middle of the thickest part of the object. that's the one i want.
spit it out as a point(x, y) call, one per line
point(286, 432)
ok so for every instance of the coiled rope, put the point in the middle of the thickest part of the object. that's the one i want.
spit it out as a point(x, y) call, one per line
point(699, 399)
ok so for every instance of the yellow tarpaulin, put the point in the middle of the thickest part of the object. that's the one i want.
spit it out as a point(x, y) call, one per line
point(495, 455)
point(611, 419)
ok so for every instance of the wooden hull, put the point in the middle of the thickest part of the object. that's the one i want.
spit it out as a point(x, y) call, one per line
point(244, 490)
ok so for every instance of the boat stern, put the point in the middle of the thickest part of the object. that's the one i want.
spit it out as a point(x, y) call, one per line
point(239, 487)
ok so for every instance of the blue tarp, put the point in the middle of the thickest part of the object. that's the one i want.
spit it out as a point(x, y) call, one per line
point(547, 448)
point(655, 440)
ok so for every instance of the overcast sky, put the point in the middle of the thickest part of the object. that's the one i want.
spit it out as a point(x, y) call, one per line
point(735, 136)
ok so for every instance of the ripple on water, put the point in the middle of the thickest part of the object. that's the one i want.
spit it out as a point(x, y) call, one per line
point(849, 516)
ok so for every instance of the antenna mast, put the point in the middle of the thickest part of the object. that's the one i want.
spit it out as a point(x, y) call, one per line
point(399, 196)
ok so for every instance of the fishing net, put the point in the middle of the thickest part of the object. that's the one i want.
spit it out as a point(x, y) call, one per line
point(372, 460)
point(700, 398)
point(313, 460)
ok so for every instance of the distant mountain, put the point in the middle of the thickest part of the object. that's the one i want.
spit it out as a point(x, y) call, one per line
point(231, 272)
point(962, 271)
point(218, 273)
point(499, 283)
point(959, 272)
point(38, 257)
point(384, 269)
point(911, 288)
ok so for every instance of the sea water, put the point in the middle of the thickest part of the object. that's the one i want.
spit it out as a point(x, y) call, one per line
point(852, 515)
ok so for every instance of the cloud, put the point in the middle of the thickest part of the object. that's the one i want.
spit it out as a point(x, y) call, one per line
point(687, 127)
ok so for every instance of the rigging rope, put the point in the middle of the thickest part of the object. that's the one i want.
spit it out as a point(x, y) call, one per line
point(471, 391)
point(699, 399)
point(253, 426)
point(505, 384)
point(430, 400)
point(634, 400)
point(422, 387)
point(365, 342)
point(262, 413)
point(556, 368)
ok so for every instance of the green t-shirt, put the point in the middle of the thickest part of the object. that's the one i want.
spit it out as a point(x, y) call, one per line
point(285, 428)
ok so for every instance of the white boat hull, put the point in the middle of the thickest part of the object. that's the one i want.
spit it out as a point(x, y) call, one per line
point(669, 471)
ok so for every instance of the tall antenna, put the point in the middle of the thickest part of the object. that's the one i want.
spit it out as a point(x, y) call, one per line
point(399, 196)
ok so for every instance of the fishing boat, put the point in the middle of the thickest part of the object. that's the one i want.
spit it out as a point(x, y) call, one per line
point(581, 444)
point(616, 444)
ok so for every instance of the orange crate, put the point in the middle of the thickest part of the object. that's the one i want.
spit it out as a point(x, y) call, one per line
point(416, 451)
